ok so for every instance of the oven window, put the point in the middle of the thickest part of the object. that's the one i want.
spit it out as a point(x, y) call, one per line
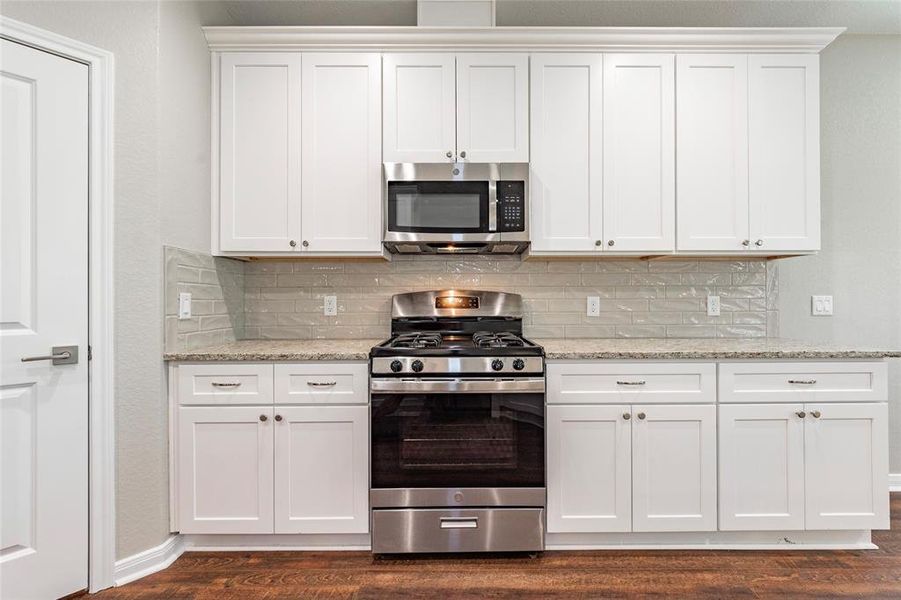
point(457, 440)
point(438, 206)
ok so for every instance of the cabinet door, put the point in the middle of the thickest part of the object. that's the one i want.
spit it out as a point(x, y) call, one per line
point(420, 107)
point(761, 467)
point(784, 151)
point(341, 156)
point(565, 165)
point(322, 469)
point(493, 107)
point(712, 151)
point(225, 469)
point(846, 461)
point(259, 151)
point(674, 468)
point(589, 469)
point(639, 152)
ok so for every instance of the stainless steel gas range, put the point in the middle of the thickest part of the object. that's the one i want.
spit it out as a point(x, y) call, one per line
point(458, 423)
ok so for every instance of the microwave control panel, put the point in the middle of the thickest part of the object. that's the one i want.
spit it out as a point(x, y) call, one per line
point(511, 202)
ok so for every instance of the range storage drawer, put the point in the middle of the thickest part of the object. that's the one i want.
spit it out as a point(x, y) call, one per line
point(225, 383)
point(629, 383)
point(322, 383)
point(406, 530)
point(800, 381)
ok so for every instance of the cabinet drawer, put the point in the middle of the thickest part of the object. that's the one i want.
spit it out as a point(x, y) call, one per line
point(803, 382)
point(322, 383)
point(618, 383)
point(230, 383)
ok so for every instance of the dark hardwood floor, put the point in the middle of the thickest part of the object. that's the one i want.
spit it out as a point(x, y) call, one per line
point(594, 574)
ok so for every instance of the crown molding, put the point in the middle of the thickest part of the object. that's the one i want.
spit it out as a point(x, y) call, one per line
point(565, 39)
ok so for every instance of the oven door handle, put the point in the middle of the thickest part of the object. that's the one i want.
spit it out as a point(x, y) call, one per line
point(523, 385)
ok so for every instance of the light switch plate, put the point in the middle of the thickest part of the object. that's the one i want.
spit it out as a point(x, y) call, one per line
point(821, 306)
point(713, 306)
point(593, 308)
point(184, 305)
point(330, 306)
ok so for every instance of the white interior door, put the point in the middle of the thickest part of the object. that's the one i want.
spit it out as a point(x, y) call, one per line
point(846, 466)
point(565, 168)
point(43, 304)
point(493, 107)
point(761, 467)
point(712, 151)
point(589, 469)
point(259, 147)
point(342, 152)
point(674, 468)
point(322, 469)
point(639, 152)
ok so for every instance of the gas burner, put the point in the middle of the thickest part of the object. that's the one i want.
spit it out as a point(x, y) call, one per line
point(502, 339)
point(417, 340)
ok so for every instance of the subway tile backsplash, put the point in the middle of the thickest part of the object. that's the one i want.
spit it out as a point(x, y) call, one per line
point(639, 298)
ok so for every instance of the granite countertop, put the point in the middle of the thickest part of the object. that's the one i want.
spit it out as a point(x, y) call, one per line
point(555, 349)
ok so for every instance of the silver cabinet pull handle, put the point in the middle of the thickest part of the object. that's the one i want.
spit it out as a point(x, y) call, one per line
point(640, 382)
point(803, 381)
point(60, 355)
point(322, 383)
point(220, 384)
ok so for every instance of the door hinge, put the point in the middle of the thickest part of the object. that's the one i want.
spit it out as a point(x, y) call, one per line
point(90, 352)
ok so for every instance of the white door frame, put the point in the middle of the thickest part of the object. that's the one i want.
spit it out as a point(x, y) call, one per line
point(101, 445)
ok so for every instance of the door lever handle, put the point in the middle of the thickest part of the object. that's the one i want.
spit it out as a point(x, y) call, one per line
point(60, 355)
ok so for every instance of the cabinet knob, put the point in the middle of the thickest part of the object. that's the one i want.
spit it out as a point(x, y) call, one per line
point(598, 243)
point(642, 416)
point(264, 418)
point(449, 154)
point(801, 414)
point(278, 418)
point(758, 243)
point(746, 243)
point(816, 414)
point(306, 244)
point(610, 243)
point(463, 154)
point(627, 416)
point(292, 243)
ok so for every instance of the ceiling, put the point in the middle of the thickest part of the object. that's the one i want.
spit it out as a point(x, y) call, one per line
point(859, 16)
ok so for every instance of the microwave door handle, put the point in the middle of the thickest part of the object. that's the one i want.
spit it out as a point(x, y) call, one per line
point(492, 205)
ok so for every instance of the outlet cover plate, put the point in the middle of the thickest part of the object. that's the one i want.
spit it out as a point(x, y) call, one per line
point(821, 306)
point(330, 306)
point(713, 306)
point(184, 305)
point(593, 306)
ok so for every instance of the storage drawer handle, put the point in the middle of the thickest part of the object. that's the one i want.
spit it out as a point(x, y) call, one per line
point(322, 383)
point(803, 381)
point(220, 384)
point(459, 522)
point(631, 382)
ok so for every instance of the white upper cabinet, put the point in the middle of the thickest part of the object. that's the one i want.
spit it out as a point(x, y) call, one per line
point(341, 153)
point(492, 107)
point(712, 152)
point(566, 139)
point(419, 107)
point(259, 152)
point(639, 152)
point(784, 152)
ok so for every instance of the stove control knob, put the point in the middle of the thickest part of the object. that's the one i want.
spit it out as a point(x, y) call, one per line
point(497, 364)
point(417, 365)
point(396, 365)
point(519, 364)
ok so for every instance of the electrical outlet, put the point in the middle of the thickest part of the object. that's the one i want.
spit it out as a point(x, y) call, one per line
point(821, 306)
point(594, 306)
point(184, 305)
point(713, 306)
point(330, 306)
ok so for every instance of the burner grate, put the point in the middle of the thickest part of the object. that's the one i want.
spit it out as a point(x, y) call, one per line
point(503, 339)
point(417, 340)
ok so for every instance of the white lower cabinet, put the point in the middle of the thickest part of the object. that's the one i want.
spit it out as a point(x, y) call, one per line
point(804, 466)
point(320, 486)
point(225, 469)
point(621, 468)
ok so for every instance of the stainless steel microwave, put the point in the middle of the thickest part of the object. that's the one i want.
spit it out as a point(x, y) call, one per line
point(456, 208)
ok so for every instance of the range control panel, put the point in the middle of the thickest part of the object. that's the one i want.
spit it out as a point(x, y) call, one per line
point(511, 202)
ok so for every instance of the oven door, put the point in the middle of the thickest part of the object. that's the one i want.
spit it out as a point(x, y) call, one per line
point(440, 207)
point(456, 442)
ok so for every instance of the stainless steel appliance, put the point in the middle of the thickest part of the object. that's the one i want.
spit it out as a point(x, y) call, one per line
point(457, 427)
point(456, 208)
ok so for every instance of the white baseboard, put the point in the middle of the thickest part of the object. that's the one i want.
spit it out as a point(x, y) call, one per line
point(149, 561)
point(894, 482)
point(713, 540)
